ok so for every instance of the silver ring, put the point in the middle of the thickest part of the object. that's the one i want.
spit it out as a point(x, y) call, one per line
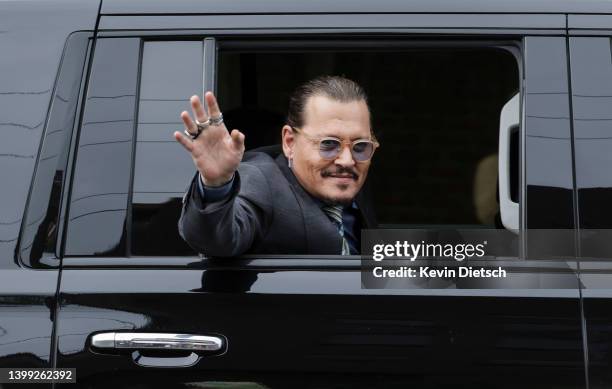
point(215, 121)
point(192, 136)
point(202, 125)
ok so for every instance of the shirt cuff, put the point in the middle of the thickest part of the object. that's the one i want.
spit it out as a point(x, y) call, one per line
point(211, 194)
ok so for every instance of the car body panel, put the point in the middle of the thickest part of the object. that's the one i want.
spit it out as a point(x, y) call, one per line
point(278, 322)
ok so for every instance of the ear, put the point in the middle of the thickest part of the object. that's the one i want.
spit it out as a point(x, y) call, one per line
point(288, 141)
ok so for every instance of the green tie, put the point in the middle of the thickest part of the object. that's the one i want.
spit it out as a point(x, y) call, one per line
point(334, 212)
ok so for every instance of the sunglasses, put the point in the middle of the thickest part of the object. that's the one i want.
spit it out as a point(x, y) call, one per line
point(362, 150)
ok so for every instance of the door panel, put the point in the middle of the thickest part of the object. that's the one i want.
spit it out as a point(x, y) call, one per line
point(283, 331)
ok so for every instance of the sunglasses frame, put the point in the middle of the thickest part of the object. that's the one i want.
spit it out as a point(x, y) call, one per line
point(352, 144)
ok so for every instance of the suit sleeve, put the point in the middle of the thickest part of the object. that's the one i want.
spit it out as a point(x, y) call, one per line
point(231, 226)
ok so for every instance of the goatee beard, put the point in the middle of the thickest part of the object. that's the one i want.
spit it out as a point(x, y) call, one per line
point(337, 201)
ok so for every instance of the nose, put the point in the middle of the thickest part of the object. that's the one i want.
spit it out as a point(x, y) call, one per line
point(345, 158)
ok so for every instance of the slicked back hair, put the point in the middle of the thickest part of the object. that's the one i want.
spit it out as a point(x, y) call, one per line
point(334, 87)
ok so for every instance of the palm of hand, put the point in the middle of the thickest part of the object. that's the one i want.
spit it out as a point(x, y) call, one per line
point(216, 153)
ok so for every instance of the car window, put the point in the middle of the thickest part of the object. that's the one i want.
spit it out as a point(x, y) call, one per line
point(592, 104)
point(171, 73)
point(98, 204)
point(130, 175)
point(42, 226)
point(436, 112)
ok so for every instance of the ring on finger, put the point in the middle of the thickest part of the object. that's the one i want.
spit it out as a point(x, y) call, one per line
point(215, 121)
point(202, 125)
point(192, 136)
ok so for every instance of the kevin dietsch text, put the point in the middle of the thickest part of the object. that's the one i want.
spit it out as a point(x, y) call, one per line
point(429, 272)
point(412, 251)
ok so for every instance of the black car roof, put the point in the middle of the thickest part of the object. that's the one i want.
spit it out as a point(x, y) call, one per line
point(353, 6)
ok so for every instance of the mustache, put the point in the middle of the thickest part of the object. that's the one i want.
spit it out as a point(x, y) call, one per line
point(340, 170)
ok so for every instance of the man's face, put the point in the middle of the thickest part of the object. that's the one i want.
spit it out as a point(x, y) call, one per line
point(335, 181)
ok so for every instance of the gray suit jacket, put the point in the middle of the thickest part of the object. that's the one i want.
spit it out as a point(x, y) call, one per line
point(268, 212)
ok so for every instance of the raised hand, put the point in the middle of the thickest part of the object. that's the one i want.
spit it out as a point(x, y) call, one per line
point(215, 152)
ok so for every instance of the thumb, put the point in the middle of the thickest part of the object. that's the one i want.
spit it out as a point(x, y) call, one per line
point(238, 139)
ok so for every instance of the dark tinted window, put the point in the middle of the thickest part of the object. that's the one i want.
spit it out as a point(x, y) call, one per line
point(42, 223)
point(548, 150)
point(592, 104)
point(98, 203)
point(171, 73)
point(137, 88)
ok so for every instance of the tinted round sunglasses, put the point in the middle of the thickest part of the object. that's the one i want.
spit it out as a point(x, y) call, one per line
point(362, 150)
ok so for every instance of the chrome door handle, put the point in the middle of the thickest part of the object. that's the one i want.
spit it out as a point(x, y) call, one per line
point(156, 341)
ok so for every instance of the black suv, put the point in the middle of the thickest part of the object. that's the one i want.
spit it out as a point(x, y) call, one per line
point(489, 115)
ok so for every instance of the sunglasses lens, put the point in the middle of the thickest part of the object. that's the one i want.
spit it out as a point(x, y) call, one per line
point(362, 151)
point(329, 148)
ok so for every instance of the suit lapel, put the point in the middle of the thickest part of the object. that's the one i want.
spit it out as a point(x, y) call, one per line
point(321, 234)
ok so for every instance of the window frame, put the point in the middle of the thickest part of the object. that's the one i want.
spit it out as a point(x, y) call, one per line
point(211, 45)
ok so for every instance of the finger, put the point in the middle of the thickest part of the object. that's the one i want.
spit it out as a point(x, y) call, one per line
point(237, 138)
point(189, 124)
point(198, 109)
point(182, 139)
point(213, 106)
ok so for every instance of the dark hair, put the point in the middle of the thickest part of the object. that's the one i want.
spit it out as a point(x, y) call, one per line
point(335, 87)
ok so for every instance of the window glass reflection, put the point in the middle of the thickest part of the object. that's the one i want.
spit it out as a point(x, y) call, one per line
point(171, 73)
point(98, 204)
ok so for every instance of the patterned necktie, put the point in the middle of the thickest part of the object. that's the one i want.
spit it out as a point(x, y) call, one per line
point(334, 212)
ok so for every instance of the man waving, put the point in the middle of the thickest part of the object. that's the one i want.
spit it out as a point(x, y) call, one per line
point(305, 200)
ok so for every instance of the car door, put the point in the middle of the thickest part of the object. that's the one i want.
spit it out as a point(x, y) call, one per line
point(132, 291)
